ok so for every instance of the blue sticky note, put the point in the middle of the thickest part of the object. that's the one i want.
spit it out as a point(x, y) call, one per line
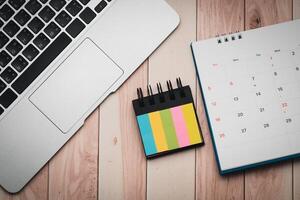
point(147, 135)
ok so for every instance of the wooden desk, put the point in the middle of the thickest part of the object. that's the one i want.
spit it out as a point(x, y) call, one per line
point(105, 159)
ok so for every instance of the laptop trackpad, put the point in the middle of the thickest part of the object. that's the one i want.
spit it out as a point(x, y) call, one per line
point(78, 83)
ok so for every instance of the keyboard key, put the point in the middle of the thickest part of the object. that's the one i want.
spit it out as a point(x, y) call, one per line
point(41, 41)
point(7, 98)
point(11, 28)
point(4, 58)
point(3, 40)
point(16, 4)
point(1, 23)
point(22, 17)
point(42, 62)
point(74, 8)
point(19, 63)
point(84, 2)
point(1, 2)
point(100, 6)
point(33, 6)
point(8, 75)
point(2, 86)
point(30, 52)
point(46, 14)
point(52, 30)
point(36, 25)
point(57, 4)
point(14, 47)
point(6, 12)
point(87, 15)
point(25, 36)
point(1, 111)
point(75, 28)
point(63, 18)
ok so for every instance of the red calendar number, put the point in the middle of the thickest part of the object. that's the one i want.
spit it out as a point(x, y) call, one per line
point(284, 105)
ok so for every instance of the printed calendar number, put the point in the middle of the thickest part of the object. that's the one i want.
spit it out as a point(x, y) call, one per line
point(266, 125)
point(244, 130)
point(284, 105)
point(289, 120)
point(280, 89)
point(240, 114)
point(258, 93)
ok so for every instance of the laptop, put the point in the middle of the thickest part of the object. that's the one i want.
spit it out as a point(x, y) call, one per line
point(59, 60)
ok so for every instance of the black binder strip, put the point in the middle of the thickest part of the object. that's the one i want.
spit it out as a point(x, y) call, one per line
point(162, 100)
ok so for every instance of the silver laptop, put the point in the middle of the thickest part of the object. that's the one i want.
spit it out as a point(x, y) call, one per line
point(59, 60)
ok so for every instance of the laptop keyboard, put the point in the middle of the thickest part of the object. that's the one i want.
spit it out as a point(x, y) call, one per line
point(32, 34)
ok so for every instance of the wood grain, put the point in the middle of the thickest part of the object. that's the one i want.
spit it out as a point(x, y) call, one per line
point(37, 189)
point(122, 161)
point(173, 176)
point(73, 171)
point(134, 161)
point(224, 17)
point(296, 179)
point(296, 9)
point(267, 12)
point(272, 182)
point(111, 180)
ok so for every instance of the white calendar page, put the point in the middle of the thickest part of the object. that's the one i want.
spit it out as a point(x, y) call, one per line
point(251, 88)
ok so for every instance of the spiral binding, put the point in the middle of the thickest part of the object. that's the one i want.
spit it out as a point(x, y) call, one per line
point(140, 96)
point(150, 94)
point(179, 85)
point(160, 92)
point(231, 37)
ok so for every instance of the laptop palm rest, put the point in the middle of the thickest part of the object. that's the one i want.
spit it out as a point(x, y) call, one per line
point(78, 83)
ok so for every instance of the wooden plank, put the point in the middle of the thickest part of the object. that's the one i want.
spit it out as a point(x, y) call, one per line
point(296, 9)
point(37, 189)
point(224, 17)
point(73, 171)
point(173, 176)
point(296, 177)
point(122, 161)
point(110, 150)
point(134, 162)
point(271, 182)
point(263, 13)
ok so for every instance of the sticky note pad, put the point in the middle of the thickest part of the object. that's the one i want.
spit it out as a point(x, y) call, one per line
point(167, 123)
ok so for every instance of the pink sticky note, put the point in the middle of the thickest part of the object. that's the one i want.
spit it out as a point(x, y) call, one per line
point(180, 126)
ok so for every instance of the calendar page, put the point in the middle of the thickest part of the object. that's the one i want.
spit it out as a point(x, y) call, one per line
point(250, 84)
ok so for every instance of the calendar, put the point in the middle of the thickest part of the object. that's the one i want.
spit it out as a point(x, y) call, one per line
point(250, 83)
